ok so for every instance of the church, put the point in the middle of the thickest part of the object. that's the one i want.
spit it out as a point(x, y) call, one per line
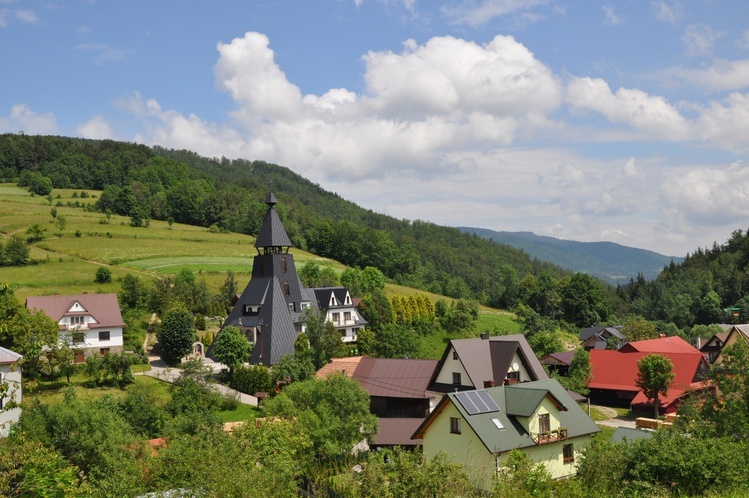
point(271, 308)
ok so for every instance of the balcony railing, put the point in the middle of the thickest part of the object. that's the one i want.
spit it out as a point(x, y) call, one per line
point(547, 437)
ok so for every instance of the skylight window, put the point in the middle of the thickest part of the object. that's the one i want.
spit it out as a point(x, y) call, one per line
point(498, 424)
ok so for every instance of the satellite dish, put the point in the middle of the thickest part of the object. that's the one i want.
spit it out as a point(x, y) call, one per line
point(515, 367)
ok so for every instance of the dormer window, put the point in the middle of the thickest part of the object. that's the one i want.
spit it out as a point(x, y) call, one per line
point(77, 320)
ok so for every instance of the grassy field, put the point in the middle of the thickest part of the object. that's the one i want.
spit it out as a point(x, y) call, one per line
point(65, 261)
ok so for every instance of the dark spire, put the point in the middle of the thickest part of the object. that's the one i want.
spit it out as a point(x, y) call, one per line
point(272, 236)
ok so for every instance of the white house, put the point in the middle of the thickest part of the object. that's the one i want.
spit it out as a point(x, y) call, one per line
point(11, 393)
point(339, 309)
point(91, 323)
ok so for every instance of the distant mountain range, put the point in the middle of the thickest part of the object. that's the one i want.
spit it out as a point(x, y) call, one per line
point(613, 263)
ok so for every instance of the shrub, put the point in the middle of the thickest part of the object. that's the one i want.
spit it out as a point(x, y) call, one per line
point(103, 275)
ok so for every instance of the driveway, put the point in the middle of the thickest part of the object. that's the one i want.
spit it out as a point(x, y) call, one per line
point(160, 370)
point(614, 419)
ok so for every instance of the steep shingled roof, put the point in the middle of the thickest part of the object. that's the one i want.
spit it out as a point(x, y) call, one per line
point(272, 232)
point(490, 358)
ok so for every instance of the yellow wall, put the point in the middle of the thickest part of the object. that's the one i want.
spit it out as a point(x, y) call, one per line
point(464, 448)
point(468, 450)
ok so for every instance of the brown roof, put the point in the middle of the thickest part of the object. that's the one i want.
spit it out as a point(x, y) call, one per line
point(482, 358)
point(396, 377)
point(397, 432)
point(103, 307)
point(337, 365)
point(387, 377)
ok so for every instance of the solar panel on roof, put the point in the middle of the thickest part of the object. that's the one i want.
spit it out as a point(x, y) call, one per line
point(490, 403)
point(475, 402)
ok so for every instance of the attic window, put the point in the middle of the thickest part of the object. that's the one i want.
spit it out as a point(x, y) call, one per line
point(456, 378)
point(498, 424)
point(348, 300)
point(291, 306)
point(455, 355)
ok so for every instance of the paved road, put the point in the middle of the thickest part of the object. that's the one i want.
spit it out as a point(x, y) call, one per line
point(159, 370)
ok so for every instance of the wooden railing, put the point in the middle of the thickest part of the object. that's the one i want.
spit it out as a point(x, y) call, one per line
point(547, 437)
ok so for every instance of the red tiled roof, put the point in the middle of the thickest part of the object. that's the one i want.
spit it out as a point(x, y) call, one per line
point(673, 344)
point(103, 307)
point(618, 371)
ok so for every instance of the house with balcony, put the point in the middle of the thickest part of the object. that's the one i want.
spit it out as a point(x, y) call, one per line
point(339, 309)
point(91, 323)
point(479, 428)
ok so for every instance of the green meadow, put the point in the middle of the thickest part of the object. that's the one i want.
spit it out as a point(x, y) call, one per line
point(65, 260)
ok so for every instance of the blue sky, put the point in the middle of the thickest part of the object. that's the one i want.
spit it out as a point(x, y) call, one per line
point(624, 121)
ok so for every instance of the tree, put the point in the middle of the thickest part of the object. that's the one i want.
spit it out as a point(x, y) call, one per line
point(637, 328)
point(228, 290)
point(324, 340)
point(580, 372)
point(231, 348)
point(583, 300)
point(35, 233)
point(103, 275)
point(16, 252)
point(176, 335)
point(133, 293)
point(396, 341)
point(61, 222)
point(654, 377)
point(334, 412)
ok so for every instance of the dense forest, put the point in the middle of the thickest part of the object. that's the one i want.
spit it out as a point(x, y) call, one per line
point(156, 183)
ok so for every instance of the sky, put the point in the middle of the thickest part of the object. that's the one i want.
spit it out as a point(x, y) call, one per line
point(623, 121)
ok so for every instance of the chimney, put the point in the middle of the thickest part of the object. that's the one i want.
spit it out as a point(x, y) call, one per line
point(485, 336)
point(489, 383)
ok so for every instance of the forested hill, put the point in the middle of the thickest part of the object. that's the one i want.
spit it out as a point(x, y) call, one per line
point(612, 263)
point(698, 290)
point(156, 183)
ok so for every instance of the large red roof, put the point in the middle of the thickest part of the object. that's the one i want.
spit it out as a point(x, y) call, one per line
point(673, 344)
point(618, 371)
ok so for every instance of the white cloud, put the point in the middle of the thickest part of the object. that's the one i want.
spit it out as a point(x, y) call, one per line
point(467, 12)
point(726, 123)
point(611, 17)
point(632, 107)
point(709, 196)
point(722, 75)
point(630, 169)
point(448, 74)
point(699, 39)
point(27, 15)
point(101, 53)
point(669, 12)
point(22, 118)
point(95, 128)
